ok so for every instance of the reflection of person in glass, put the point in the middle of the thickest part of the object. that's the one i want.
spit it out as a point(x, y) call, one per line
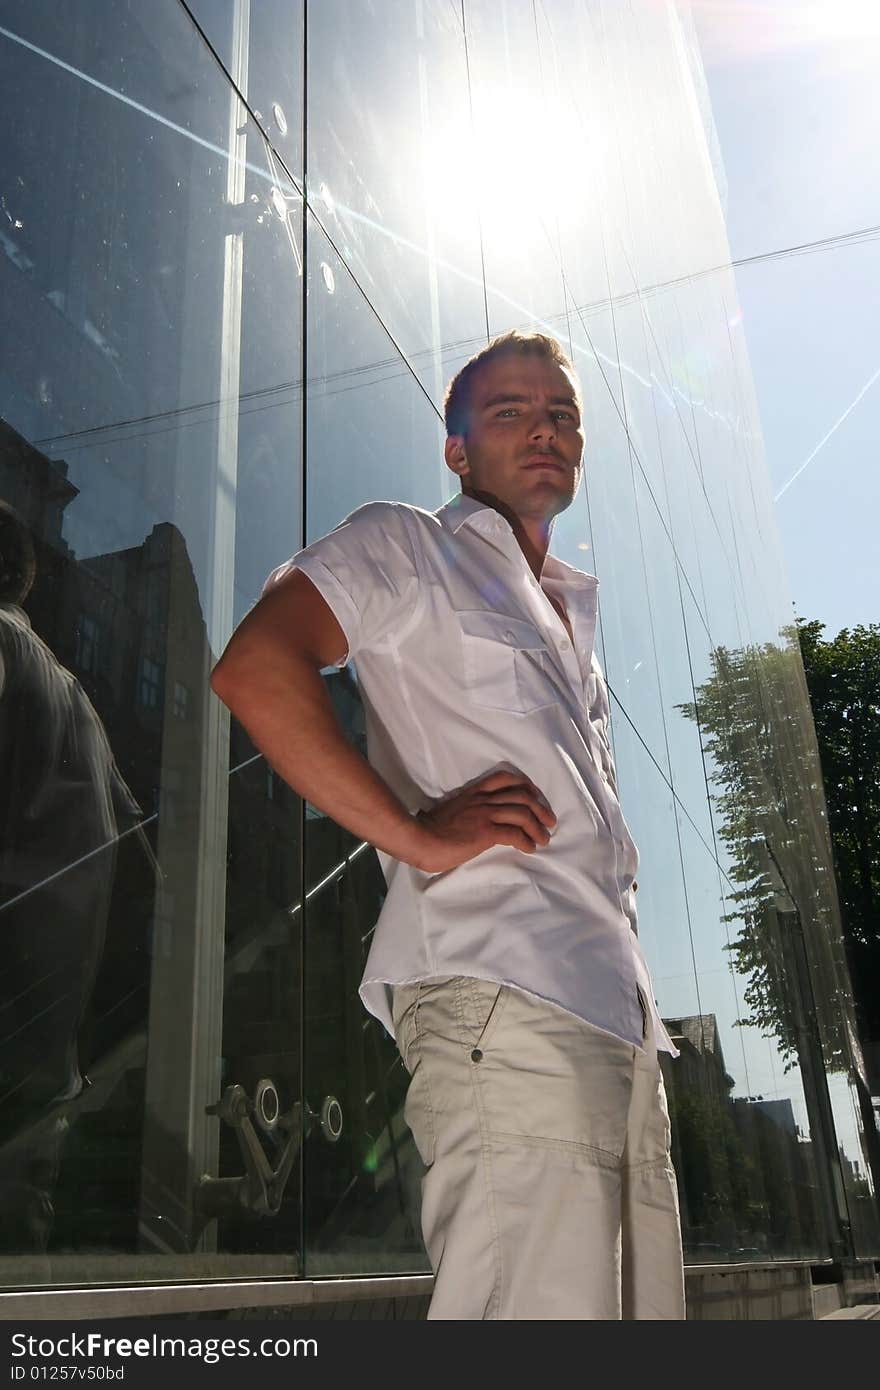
point(506, 959)
point(61, 797)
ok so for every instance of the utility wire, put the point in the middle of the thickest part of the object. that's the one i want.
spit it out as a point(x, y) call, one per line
point(853, 238)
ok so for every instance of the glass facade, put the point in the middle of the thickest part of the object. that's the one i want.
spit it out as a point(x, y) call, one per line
point(243, 246)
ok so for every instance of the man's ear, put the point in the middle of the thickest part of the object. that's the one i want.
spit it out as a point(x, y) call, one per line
point(456, 455)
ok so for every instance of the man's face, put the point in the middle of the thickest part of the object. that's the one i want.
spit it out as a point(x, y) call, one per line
point(524, 442)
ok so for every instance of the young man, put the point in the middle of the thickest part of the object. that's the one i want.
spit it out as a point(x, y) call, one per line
point(505, 960)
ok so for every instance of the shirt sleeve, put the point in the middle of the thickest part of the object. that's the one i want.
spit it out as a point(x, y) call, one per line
point(366, 572)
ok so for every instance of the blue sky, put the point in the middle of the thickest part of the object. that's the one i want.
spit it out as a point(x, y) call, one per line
point(794, 91)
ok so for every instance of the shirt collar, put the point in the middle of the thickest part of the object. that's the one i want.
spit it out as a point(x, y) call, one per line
point(467, 511)
point(461, 510)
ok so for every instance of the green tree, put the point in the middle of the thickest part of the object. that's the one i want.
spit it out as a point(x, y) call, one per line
point(843, 679)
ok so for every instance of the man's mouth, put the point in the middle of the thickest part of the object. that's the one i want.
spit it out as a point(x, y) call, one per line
point(544, 461)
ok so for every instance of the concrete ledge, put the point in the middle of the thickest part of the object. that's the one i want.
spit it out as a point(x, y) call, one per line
point(742, 1294)
point(155, 1300)
point(827, 1299)
point(861, 1310)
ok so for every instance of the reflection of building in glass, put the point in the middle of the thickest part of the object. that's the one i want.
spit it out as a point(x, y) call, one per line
point(201, 374)
point(137, 642)
point(744, 1176)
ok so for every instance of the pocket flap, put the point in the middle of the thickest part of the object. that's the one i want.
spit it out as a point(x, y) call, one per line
point(497, 627)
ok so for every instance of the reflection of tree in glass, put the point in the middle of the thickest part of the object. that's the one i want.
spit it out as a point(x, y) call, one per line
point(756, 731)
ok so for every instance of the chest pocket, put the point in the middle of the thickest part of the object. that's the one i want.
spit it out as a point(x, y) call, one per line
point(506, 663)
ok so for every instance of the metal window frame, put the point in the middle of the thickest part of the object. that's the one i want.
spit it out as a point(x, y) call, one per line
point(154, 1300)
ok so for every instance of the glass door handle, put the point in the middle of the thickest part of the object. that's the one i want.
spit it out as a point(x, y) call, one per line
point(260, 1188)
point(267, 1112)
point(329, 1117)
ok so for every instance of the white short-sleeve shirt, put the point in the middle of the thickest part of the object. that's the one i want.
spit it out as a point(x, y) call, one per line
point(465, 668)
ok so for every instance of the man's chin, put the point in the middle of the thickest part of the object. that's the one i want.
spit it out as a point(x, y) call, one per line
point(544, 502)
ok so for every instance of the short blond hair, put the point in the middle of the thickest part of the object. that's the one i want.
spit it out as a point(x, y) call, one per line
point(458, 402)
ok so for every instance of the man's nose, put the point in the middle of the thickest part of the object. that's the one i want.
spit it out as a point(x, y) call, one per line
point(543, 425)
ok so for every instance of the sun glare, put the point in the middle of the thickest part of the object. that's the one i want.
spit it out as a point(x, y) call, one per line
point(516, 164)
point(740, 30)
point(844, 19)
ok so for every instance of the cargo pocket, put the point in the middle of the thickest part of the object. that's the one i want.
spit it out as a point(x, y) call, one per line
point(483, 1003)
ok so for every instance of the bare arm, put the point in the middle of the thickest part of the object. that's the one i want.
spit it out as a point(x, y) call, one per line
point(269, 676)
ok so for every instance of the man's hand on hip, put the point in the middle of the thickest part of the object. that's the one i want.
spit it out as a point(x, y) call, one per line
point(504, 808)
point(269, 676)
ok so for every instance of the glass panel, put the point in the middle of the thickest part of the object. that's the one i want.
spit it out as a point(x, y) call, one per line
point(678, 363)
point(618, 561)
point(524, 156)
point(674, 667)
point(782, 916)
point(854, 1114)
point(355, 375)
point(151, 401)
point(260, 43)
point(679, 467)
point(640, 402)
point(664, 928)
point(746, 1131)
point(371, 434)
point(392, 174)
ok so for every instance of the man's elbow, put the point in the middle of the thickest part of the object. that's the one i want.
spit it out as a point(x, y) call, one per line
point(226, 681)
point(250, 673)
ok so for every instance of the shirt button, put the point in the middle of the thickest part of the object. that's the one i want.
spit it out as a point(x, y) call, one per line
point(476, 1055)
point(509, 636)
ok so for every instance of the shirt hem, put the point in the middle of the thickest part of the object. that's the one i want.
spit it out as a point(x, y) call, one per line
point(637, 1043)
